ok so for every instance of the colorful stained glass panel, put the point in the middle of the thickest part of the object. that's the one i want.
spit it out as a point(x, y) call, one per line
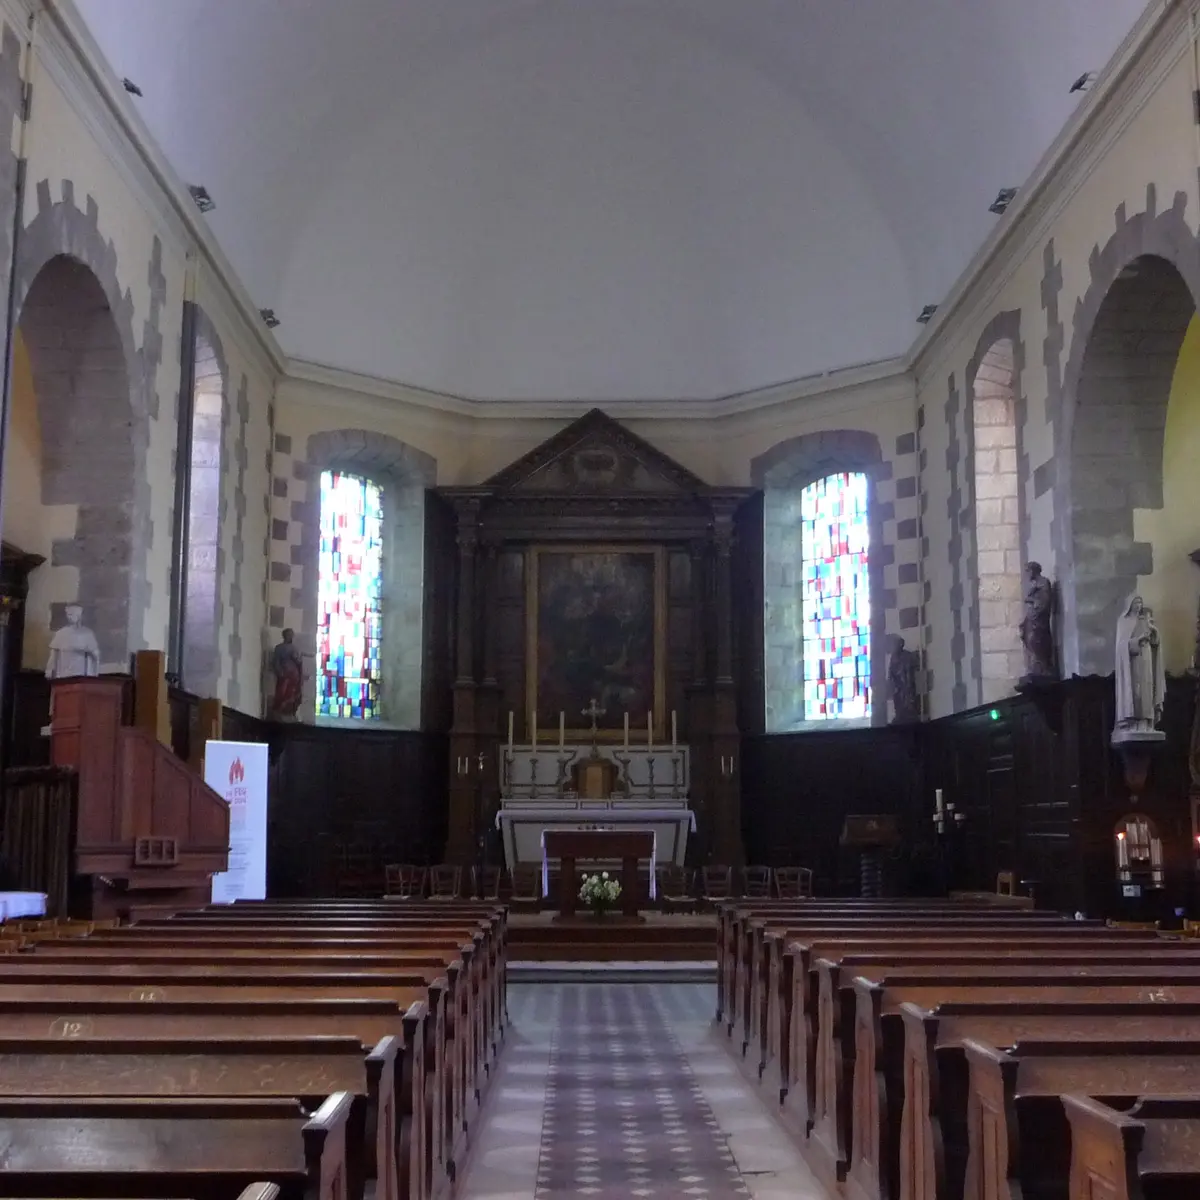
point(349, 591)
point(836, 598)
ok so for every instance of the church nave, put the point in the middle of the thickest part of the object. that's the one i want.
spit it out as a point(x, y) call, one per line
point(623, 1090)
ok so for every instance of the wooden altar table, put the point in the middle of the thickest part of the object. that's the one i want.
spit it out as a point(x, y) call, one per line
point(569, 846)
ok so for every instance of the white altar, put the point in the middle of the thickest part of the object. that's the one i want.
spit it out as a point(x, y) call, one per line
point(536, 795)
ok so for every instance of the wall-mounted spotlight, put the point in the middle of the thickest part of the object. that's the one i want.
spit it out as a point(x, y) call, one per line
point(131, 87)
point(1003, 199)
point(1084, 82)
point(204, 202)
point(927, 314)
point(270, 320)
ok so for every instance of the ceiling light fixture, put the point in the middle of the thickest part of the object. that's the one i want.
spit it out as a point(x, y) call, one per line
point(131, 87)
point(270, 320)
point(204, 202)
point(927, 314)
point(1084, 82)
point(1003, 199)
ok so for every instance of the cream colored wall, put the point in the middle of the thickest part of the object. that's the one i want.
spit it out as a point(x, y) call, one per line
point(1152, 140)
point(1174, 588)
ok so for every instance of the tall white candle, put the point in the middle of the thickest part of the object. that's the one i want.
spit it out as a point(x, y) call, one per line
point(533, 728)
point(937, 796)
point(1122, 852)
point(510, 729)
point(562, 730)
point(626, 731)
point(674, 730)
point(649, 731)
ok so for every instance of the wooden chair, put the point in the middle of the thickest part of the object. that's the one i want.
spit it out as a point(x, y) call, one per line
point(756, 883)
point(526, 886)
point(676, 887)
point(445, 882)
point(793, 883)
point(716, 883)
point(404, 881)
point(485, 883)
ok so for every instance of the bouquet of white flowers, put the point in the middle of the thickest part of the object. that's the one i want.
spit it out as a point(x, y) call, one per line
point(599, 892)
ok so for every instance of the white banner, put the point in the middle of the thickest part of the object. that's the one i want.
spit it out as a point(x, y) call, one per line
point(237, 772)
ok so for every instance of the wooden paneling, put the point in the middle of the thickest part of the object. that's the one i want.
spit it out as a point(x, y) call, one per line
point(437, 668)
point(748, 631)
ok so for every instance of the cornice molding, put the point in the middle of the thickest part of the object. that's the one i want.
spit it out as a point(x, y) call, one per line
point(1132, 77)
point(80, 69)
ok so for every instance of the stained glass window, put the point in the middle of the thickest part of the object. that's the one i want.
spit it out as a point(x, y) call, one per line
point(350, 582)
point(835, 598)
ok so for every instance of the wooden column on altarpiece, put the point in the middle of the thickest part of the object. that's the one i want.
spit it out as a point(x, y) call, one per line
point(462, 799)
point(486, 763)
point(726, 743)
point(700, 708)
point(15, 568)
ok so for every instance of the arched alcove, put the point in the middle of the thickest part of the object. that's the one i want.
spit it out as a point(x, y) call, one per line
point(202, 607)
point(88, 433)
point(786, 473)
point(1116, 435)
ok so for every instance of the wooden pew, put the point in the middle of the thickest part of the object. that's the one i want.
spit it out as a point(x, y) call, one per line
point(203, 1149)
point(1151, 1152)
point(931, 1159)
point(1019, 1137)
point(861, 1084)
point(299, 1068)
point(368, 1021)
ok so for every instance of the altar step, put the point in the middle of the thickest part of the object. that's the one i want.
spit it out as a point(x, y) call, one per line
point(612, 972)
point(655, 939)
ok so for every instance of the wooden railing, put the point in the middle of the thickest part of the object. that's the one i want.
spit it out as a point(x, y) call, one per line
point(37, 832)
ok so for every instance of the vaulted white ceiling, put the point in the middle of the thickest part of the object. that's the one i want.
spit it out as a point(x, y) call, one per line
point(603, 199)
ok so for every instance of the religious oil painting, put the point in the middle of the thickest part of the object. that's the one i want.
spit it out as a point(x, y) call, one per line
point(596, 632)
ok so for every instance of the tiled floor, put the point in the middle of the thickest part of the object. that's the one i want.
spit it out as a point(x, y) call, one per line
point(619, 1090)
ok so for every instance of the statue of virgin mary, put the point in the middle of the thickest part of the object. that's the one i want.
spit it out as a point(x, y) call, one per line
point(1140, 676)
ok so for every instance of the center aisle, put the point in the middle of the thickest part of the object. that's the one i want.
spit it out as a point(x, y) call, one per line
point(616, 1090)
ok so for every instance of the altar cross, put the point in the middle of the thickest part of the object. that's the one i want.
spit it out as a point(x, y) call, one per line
point(594, 711)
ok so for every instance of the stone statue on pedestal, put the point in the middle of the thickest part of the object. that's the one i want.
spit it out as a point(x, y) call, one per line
point(1141, 684)
point(287, 665)
point(1037, 638)
point(902, 683)
point(74, 651)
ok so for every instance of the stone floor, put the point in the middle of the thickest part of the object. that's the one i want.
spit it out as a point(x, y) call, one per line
point(619, 1090)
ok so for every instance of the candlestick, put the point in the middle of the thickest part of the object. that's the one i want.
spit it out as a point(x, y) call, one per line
point(626, 731)
point(674, 730)
point(562, 730)
point(510, 729)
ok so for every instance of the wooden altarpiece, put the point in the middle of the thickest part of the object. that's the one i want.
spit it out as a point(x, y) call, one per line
point(594, 486)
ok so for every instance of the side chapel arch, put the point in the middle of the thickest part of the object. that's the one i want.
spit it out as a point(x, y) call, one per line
point(403, 473)
point(1129, 328)
point(782, 473)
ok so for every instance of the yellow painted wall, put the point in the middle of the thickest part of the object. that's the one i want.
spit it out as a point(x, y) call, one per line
point(1174, 589)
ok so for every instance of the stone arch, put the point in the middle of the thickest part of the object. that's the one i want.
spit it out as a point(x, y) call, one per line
point(203, 606)
point(996, 523)
point(1128, 330)
point(85, 348)
point(404, 473)
point(783, 472)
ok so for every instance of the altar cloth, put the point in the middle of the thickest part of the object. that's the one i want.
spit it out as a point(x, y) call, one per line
point(22, 904)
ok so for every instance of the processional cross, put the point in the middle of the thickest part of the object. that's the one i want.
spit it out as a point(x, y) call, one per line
point(594, 711)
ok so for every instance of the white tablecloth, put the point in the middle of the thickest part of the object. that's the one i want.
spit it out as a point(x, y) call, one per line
point(22, 904)
point(546, 865)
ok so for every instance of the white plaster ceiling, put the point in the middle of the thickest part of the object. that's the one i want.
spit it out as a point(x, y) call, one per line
point(603, 199)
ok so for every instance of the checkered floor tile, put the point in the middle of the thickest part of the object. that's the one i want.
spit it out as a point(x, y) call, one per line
point(624, 1115)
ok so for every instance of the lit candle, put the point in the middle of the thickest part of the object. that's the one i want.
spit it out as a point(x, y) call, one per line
point(510, 729)
point(649, 731)
point(533, 728)
point(562, 730)
point(626, 731)
point(1122, 851)
point(674, 730)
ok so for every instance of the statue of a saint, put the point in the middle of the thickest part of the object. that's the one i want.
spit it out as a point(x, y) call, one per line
point(1141, 683)
point(1037, 639)
point(287, 665)
point(902, 683)
point(74, 650)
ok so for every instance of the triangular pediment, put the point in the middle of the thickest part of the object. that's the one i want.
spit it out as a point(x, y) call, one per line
point(599, 455)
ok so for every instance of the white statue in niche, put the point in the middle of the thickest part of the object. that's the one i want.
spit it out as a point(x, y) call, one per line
point(74, 650)
point(1141, 683)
